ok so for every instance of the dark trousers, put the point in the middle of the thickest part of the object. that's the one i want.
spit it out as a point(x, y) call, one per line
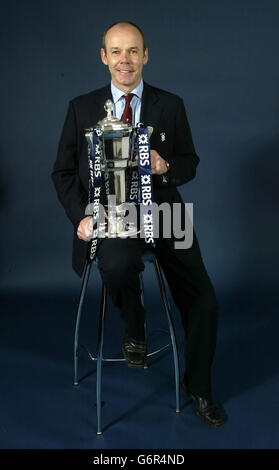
point(119, 262)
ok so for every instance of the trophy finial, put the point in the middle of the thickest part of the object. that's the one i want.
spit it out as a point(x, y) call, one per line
point(109, 106)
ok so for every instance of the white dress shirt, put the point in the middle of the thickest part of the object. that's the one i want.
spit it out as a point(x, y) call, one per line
point(119, 101)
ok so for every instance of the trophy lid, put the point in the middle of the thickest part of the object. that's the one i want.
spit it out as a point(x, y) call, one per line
point(110, 122)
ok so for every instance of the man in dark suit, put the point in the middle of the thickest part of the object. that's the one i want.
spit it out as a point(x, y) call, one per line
point(173, 163)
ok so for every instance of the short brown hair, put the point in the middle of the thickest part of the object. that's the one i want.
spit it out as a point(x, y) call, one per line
point(123, 23)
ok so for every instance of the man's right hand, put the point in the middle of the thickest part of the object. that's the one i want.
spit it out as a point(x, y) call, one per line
point(85, 229)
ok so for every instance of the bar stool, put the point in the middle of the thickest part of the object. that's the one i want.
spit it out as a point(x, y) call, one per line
point(148, 257)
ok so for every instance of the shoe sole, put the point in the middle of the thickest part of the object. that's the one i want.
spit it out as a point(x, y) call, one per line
point(134, 366)
point(215, 425)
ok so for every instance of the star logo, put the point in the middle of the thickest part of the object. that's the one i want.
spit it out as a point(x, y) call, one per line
point(145, 179)
point(143, 139)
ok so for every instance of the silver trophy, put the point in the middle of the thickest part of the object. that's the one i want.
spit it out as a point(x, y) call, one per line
point(119, 170)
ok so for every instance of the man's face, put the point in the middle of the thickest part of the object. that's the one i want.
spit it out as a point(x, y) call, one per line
point(124, 56)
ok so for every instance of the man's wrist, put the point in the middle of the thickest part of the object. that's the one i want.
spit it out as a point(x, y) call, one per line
point(167, 165)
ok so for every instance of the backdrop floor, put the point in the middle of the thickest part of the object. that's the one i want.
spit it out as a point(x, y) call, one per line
point(42, 409)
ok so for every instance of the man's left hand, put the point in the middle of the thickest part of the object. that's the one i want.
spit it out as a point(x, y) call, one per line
point(158, 164)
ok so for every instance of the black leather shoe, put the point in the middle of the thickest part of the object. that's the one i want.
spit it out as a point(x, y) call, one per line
point(134, 352)
point(206, 409)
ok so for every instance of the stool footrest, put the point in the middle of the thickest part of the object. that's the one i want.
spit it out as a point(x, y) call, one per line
point(112, 359)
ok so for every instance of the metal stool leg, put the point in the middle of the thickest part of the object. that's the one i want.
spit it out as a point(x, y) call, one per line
point(172, 332)
point(100, 358)
point(85, 278)
point(141, 288)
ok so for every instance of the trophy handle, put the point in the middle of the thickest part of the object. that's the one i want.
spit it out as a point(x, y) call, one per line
point(149, 128)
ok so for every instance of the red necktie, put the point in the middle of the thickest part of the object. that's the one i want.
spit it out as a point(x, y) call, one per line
point(127, 116)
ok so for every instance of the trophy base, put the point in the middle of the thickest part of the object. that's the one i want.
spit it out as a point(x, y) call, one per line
point(116, 229)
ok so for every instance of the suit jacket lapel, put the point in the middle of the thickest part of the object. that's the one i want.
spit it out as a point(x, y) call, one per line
point(151, 110)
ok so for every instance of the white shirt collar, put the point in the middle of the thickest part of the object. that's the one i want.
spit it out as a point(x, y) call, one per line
point(117, 94)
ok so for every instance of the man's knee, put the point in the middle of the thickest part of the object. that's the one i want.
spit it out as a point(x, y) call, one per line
point(207, 300)
point(211, 300)
point(119, 262)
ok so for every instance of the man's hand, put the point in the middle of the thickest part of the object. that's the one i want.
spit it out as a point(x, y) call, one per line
point(85, 228)
point(158, 164)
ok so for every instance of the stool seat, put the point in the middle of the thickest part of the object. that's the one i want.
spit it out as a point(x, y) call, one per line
point(149, 256)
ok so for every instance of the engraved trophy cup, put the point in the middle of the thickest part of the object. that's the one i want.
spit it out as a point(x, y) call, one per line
point(115, 172)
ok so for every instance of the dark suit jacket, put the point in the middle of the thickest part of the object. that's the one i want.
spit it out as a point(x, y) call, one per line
point(160, 109)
